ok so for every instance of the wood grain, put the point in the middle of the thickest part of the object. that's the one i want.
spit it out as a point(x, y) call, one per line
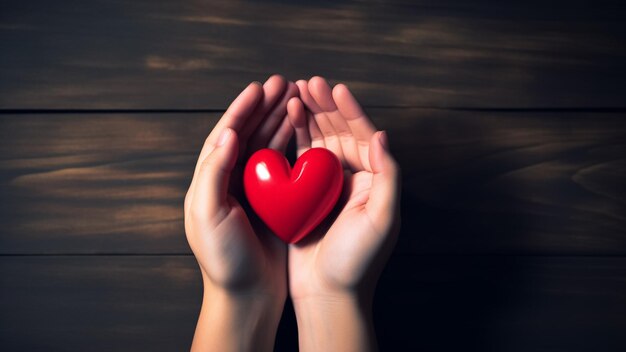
point(473, 182)
point(193, 54)
point(99, 303)
point(99, 182)
point(429, 303)
point(502, 303)
point(496, 182)
point(513, 203)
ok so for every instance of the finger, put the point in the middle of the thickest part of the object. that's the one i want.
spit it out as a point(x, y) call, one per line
point(266, 130)
point(381, 206)
point(360, 125)
point(234, 118)
point(326, 101)
point(317, 138)
point(297, 118)
point(273, 90)
point(307, 99)
point(211, 188)
point(321, 93)
point(239, 111)
point(282, 136)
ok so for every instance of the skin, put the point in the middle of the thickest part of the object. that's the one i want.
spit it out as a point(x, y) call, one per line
point(333, 272)
point(331, 275)
point(242, 264)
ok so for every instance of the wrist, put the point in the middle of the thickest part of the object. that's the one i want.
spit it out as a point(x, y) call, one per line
point(242, 303)
point(272, 294)
point(325, 305)
point(238, 321)
point(339, 320)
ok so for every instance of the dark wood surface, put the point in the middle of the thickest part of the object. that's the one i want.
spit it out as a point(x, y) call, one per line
point(507, 118)
point(514, 183)
point(195, 54)
point(423, 303)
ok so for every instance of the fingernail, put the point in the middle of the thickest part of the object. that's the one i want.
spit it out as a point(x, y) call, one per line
point(223, 138)
point(384, 141)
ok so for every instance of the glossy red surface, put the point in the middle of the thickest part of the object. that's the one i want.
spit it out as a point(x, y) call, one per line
point(292, 202)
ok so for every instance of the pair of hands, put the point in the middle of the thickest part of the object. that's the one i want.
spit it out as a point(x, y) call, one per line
point(331, 274)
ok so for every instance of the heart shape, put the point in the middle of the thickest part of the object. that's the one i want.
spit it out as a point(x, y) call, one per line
point(292, 202)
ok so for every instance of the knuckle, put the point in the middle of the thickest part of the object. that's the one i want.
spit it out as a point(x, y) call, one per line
point(207, 141)
point(195, 214)
point(207, 164)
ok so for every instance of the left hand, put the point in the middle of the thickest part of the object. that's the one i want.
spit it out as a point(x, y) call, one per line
point(346, 253)
point(333, 272)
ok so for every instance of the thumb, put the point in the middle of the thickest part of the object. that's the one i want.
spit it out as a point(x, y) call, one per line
point(383, 199)
point(211, 189)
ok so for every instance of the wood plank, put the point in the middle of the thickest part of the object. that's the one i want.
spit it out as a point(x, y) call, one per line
point(507, 182)
point(190, 54)
point(474, 182)
point(112, 183)
point(99, 303)
point(443, 303)
point(502, 304)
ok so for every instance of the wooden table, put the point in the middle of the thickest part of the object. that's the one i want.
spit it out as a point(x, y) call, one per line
point(508, 120)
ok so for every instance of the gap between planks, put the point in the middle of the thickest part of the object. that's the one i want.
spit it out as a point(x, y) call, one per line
point(395, 107)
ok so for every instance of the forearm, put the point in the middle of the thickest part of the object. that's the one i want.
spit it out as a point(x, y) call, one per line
point(337, 322)
point(237, 322)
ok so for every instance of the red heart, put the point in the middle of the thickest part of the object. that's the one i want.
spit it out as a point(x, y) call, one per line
point(292, 202)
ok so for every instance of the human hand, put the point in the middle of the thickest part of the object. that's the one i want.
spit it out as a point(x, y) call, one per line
point(242, 265)
point(333, 271)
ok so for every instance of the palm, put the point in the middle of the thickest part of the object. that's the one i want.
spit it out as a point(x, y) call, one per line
point(236, 237)
point(333, 253)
